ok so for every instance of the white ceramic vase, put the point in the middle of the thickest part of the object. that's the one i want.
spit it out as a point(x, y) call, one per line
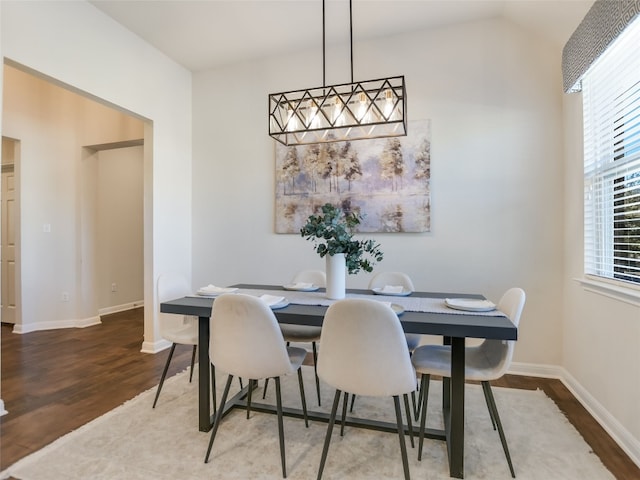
point(336, 276)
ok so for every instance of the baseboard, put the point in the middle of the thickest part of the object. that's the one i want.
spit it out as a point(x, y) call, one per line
point(77, 323)
point(155, 347)
point(2, 410)
point(120, 308)
point(72, 323)
point(536, 370)
point(612, 426)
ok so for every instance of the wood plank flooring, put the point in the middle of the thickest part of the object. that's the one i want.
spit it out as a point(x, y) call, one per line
point(55, 381)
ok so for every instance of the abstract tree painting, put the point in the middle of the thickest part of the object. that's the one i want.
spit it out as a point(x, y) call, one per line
point(386, 180)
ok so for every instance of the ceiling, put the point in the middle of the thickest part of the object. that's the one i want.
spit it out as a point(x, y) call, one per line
point(205, 34)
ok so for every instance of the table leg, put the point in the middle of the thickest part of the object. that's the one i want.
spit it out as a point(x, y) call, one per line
point(446, 389)
point(204, 377)
point(456, 425)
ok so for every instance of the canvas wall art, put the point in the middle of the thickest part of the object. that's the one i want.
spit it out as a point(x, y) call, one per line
point(386, 180)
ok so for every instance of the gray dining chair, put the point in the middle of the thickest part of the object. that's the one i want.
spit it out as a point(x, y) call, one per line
point(483, 363)
point(246, 342)
point(364, 352)
point(179, 330)
point(303, 333)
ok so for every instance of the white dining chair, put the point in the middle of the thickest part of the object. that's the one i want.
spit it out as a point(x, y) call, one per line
point(246, 342)
point(316, 277)
point(383, 279)
point(397, 279)
point(303, 333)
point(177, 329)
point(364, 352)
point(483, 363)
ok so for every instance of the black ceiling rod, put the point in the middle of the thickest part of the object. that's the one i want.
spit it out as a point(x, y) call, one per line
point(351, 35)
point(324, 78)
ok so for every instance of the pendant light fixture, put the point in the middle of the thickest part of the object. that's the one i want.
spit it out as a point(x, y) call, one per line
point(333, 113)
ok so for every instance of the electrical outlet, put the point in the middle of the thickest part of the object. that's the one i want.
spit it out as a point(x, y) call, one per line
point(114, 287)
point(64, 296)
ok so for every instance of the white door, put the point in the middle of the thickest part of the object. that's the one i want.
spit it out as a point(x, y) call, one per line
point(8, 254)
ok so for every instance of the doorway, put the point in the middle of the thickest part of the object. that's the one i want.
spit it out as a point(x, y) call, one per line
point(10, 227)
point(58, 260)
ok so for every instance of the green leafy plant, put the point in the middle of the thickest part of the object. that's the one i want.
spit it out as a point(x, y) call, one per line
point(332, 233)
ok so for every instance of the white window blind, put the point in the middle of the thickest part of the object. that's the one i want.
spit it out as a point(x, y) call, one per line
point(611, 104)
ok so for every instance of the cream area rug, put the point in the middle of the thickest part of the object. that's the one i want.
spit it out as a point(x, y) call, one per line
point(135, 441)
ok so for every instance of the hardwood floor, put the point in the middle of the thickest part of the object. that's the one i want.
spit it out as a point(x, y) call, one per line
point(55, 381)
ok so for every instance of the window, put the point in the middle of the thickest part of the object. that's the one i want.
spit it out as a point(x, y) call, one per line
point(611, 103)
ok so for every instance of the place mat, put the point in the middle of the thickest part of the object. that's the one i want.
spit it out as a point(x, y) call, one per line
point(410, 303)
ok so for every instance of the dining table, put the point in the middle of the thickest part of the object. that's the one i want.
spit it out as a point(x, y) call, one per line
point(424, 313)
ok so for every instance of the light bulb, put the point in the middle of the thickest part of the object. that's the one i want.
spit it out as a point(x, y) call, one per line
point(313, 120)
point(338, 115)
point(362, 108)
point(292, 120)
point(388, 104)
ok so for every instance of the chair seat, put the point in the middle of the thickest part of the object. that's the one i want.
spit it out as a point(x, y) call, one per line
point(182, 331)
point(300, 333)
point(436, 360)
point(187, 335)
point(413, 340)
point(296, 356)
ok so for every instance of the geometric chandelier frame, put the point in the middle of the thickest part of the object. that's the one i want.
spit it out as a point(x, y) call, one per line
point(334, 113)
point(349, 111)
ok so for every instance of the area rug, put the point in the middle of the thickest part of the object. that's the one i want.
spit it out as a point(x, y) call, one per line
point(135, 441)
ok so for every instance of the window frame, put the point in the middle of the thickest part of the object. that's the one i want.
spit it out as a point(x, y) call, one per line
point(611, 107)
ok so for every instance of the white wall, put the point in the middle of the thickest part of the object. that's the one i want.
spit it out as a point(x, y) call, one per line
point(506, 196)
point(78, 45)
point(494, 96)
point(120, 220)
